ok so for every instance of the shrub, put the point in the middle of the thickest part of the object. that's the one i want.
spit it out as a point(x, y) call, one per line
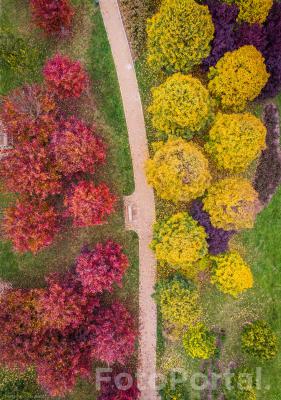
point(241, 388)
point(179, 35)
point(28, 113)
point(224, 17)
point(100, 268)
point(259, 340)
point(253, 11)
point(268, 173)
point(272, 52)
point(238, 77)
point(173, 390)
point(231, 274)
point(198, 342)
point(53, 16)
point(179, 240)
point(217, 239)
point(235, 140)
point(251, 34)
point(180, 106)
point(178, 302)
point(27, 169)
point(75, 148)
point(64, 77)
point(19, 385)
point(114, 335)
point(178, 171)
point(88, 204)
point(232, 204)
point(135, 14)
point(30, 226)
point(15, 53)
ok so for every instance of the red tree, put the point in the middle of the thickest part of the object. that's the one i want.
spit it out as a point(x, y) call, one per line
point(64, 77)
point(76, 149)
point(27, 169)
point(65, 304)
point(100, 268)
point(30, 226)
point(29, 112)
point(114, 335)
point(88, 204)
point(121, 386)
point(53, 16)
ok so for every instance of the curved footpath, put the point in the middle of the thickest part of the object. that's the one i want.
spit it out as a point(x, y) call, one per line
point(140, 206)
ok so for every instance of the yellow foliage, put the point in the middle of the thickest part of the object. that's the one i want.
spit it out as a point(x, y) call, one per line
point(232, 275)
point(198, 342)
point(238, 77)
point(232, 204)
point(181, 105)
point(179, 240)
point(179, 35)
point(235, 140)
point(178, 171)
point(179, 304)
point(253, 11)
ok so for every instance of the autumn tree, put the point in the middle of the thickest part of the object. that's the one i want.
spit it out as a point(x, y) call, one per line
point(125, 391)
point(238, 77)
point(180, 106)
point(100, 268)
point(53, 16)
point(64, 77)
point(88, 204)
point(179, 240)
point(235, 140)
point(232, 204)
point(76, 148)
point(114, 334)
point(179, 171)
point(29, 112)
point(31, 226)
point(179, 35)
point(27, 169)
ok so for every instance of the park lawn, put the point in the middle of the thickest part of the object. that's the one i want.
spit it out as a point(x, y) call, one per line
point(102, 106)
point(260, 247)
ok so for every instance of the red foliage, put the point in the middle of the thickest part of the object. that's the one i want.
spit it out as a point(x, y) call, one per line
point(76, 149)
point(114, 334)
point(126, 390)
point(64, 77)
point(60, 330)
point(100, 268)
point(61, 360)
point(27, 169)
point(53, 16)
point(88, 204)
point(65, 304)
point(30, 226)
point(29, 112)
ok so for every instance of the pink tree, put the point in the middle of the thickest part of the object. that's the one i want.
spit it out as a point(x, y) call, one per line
point(65, 78)
point(100, 268)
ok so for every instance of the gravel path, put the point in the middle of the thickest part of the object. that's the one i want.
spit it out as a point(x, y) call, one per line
point(140, 206)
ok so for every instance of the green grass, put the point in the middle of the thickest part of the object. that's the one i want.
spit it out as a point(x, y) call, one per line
point(261, 247)
point(102, 106)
